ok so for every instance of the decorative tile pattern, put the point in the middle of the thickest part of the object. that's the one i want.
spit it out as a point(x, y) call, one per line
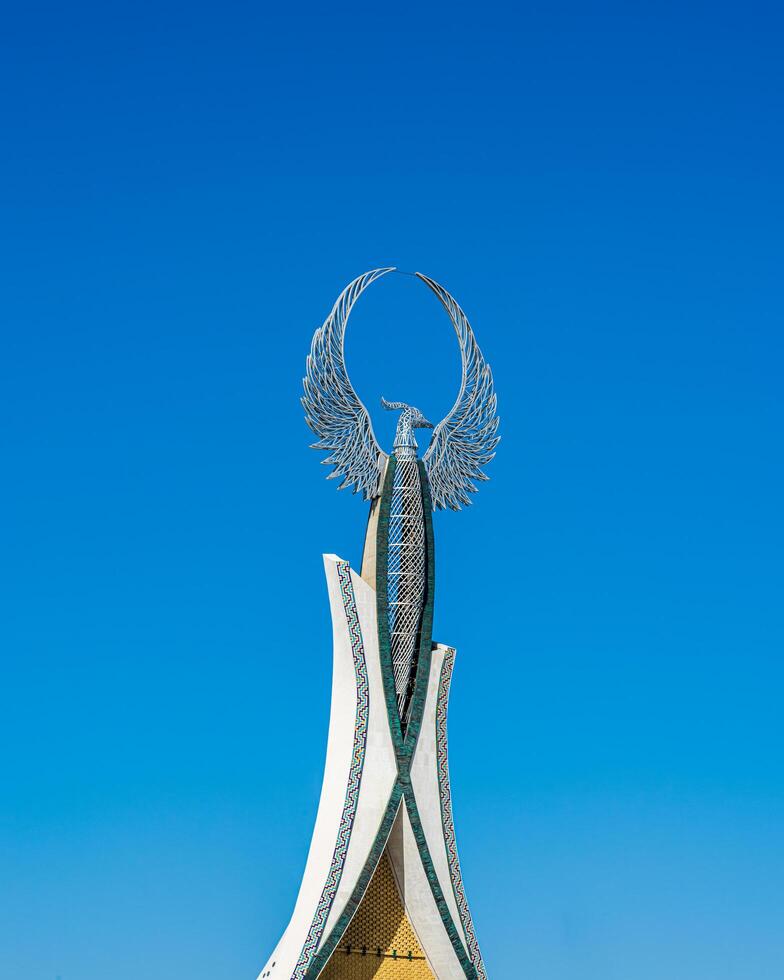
point(338, 930)
point(380, 943)
point(354, 779)
point(452, 930)
point(446, 813)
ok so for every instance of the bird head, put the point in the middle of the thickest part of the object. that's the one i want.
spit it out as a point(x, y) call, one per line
point(414, 417)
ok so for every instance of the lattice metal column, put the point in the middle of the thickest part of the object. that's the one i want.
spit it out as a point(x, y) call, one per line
point(405, 573)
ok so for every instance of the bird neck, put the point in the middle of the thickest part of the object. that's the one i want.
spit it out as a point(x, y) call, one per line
point(405, 445)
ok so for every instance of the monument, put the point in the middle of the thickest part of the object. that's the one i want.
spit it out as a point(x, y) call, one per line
point(382, 894)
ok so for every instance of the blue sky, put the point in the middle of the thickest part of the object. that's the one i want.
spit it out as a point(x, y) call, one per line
point(185, 189)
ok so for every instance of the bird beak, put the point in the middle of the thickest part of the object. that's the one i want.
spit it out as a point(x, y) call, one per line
point(425, 424)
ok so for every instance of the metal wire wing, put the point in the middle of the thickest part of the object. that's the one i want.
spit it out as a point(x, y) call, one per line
point(466, 439)
point(332, 407)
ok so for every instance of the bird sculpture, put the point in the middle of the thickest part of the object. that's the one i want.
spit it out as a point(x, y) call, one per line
point(402, 489)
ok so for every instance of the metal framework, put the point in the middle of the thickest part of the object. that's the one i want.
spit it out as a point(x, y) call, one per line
point(466, 439)
point(462, 443)
point(406, 554)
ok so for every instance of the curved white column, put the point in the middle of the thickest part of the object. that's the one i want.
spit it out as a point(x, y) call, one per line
point(359, 774)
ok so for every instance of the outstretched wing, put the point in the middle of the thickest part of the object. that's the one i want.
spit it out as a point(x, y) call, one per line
point(332, 408)
point(466, 439)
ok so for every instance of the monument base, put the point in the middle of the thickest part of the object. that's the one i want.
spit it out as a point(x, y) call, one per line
point(382, 894)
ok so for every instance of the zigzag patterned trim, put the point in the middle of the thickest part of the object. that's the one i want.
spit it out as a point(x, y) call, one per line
point(355, 775)
point(446, 814)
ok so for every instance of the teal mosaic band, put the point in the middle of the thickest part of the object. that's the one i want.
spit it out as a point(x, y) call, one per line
point(382, 610)
point(333, 940)
point(330, 944)
point(426, 629)
point(446, 813)
point(354, 777)
point(435, 887)
point(404, 745)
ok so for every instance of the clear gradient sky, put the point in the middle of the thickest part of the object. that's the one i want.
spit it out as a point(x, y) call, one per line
point(185, 189)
